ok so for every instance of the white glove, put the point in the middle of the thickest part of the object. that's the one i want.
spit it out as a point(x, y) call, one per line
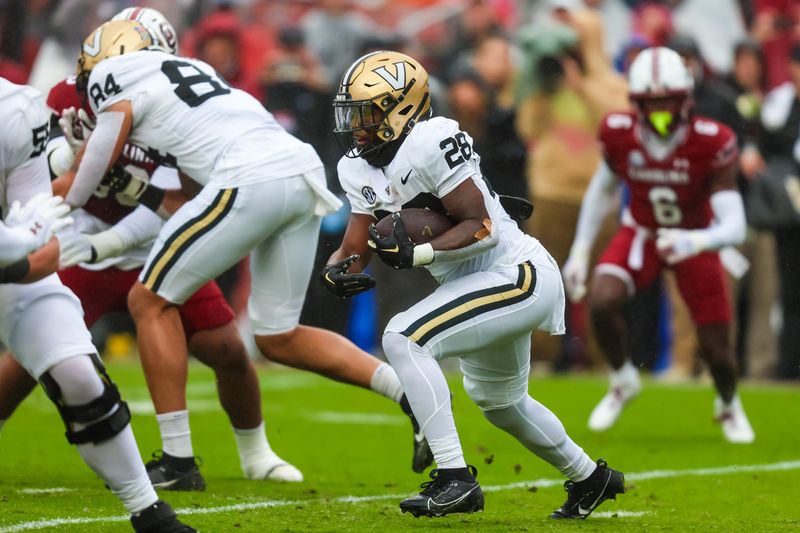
point(78, 248)
point(42, 216)
point(575, 272)
point(674, 245)
point(74, 248)
point(76, 125)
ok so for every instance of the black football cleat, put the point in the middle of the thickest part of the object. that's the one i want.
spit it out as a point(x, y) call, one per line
point(175, 473)
point(423, 456)
point(584, 496)
point(159, 518)
point(449, 491)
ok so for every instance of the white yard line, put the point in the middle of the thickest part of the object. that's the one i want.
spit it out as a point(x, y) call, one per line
point(370, 419)
point(540, 483)
point(50, 490)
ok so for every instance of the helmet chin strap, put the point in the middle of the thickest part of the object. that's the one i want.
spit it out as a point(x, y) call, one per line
point(383, 155)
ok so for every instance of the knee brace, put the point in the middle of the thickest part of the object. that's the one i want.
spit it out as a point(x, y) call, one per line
point(97, 429)
point(491, 395)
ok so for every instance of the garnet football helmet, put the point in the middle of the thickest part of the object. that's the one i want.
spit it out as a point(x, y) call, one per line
point(660, 88)
point(385, 93)
point(165, 38)
point(113, 38)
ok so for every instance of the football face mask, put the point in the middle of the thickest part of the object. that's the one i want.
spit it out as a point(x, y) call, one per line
point(664, 115)
point(359, 126)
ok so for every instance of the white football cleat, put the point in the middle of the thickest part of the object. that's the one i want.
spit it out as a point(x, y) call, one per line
point(625, 386)
point(735, 425)
point(273, 468)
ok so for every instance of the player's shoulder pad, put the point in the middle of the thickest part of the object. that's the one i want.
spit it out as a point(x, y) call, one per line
point(114, 75)
point(433, 129)
point(616, 122)
point(349, 170)
point(427, 140)
point(708, 127)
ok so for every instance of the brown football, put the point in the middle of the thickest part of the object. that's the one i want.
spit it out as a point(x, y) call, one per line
point(422, 225)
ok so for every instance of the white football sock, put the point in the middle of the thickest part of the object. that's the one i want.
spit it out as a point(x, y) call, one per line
point(384, 381)
point(627, 375)
point(252, 444)
point(176, 437)
point(429, 396)
point(116, 460)
point(539, 430)
point(257, 458)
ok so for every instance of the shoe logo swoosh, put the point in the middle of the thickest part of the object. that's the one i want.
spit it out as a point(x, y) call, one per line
point(405, 179)
point(585, 512)
point(447, 505)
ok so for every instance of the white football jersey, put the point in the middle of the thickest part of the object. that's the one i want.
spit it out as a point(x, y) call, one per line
point(433, 160)
point(25, 307)
point(188, 117)
point(23, 139)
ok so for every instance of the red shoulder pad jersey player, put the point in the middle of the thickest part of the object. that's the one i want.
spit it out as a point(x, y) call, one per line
point(683, 207)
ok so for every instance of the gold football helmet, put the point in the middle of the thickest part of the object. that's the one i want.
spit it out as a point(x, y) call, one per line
point(383, 92)
point(113, 38)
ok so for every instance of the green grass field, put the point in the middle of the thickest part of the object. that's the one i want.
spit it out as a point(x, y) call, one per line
point(354, 449)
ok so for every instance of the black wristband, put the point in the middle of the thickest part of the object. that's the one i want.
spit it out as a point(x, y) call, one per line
point(15, 272)
point(152, 197)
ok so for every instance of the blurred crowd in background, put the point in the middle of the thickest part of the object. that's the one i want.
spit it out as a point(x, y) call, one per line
point(529, 80)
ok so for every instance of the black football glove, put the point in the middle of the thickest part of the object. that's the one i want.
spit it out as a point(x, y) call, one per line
point(342, 284)
point(119, 180)
point(397, 248)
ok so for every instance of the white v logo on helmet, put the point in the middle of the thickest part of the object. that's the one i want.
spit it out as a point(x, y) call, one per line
point(94, 48)
point(396, 82)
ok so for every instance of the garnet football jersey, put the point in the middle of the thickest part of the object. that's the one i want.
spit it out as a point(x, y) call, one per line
point(673, 191)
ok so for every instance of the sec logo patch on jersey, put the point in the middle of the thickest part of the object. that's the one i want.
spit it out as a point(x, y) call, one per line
point(369, 194)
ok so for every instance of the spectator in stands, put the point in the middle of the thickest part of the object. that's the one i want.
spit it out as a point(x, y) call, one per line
point(566, 87)
point(716, 26)
point(780, 118)
point(335, 33)
point(712, 98)
point(219, 43)
point(776, 28)
point(481, 101)
point(755, 341)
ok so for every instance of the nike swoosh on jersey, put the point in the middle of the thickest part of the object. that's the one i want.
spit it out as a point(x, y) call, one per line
point(405, 179)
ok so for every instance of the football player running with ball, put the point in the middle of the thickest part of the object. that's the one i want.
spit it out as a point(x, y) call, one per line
point(251, 189)
point(684, 207)
point(496, 284)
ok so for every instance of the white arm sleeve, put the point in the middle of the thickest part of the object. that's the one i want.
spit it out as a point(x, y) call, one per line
point(139, 227)
point(730, 226)
point(15, 244)
point(600, 197)
point(96, 157)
